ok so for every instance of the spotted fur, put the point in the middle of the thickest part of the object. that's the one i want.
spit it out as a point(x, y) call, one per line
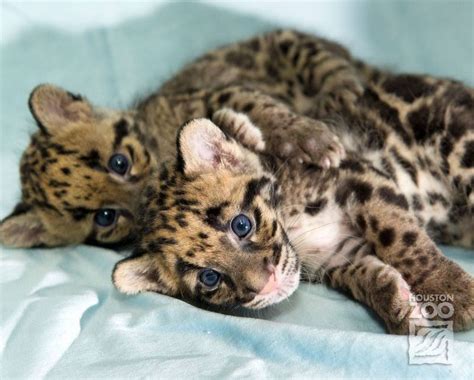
point(65, 177)
point(183, 233)
point(274, 79)
point(368, 227)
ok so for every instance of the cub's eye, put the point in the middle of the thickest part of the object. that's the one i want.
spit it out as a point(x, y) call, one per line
point(241, 225)
point(105, 217)
point(119, 164)
point(209, 277)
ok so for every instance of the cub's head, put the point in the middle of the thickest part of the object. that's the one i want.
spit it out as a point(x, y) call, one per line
point(210, 230)
point(80, 175)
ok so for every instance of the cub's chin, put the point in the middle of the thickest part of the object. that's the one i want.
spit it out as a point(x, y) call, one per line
point(281, 285)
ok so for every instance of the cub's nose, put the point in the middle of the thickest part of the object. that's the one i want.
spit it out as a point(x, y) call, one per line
point(272, 282)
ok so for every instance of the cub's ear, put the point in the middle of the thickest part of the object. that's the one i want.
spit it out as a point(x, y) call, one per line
point(203, 148)
point(54, 108)
point(23, 228)
point(136, 274)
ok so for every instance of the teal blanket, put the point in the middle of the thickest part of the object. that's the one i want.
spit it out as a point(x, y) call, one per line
point(60, 315)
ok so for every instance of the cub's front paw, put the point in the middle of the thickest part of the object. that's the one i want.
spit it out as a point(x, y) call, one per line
point(307, 141)
point(462, 291)
point(239, 126)
point(392, 300)
point(451, 290)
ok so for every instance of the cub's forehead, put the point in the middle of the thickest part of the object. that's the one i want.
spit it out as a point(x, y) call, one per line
point(194, 207)
point(215, 187)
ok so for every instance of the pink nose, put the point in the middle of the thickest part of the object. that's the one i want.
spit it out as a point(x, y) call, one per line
point(272, 282)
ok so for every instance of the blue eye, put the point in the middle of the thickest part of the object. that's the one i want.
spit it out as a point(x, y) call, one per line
point(209, 277)
point(119, 164)
point(241, 225)
point(105, 217)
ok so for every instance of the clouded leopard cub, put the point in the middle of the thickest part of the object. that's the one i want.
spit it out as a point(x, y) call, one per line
point(229, 227)
point(86, 166)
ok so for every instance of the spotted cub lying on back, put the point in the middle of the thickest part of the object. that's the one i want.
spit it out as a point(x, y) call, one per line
point(227, 226)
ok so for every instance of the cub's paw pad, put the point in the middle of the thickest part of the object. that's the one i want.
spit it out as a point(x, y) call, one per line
point(307, 141)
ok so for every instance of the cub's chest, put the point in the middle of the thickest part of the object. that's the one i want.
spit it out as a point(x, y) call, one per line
point(318, 230)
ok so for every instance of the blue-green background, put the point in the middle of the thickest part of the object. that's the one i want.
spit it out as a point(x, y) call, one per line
point(60, 315)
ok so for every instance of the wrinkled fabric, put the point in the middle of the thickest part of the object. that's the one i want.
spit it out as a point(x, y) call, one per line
point(60, 315)
point(62, 318)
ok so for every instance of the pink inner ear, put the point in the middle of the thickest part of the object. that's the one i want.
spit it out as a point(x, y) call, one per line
point(206, 151)
point(55, 107)
point(66, 109)
point(214, 154)
point(60, 107)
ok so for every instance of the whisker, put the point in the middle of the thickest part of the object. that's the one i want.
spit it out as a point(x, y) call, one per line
point(282, 165)
point(294, 221)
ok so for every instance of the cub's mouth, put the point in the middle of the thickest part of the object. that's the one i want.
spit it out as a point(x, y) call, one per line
point(281, 284)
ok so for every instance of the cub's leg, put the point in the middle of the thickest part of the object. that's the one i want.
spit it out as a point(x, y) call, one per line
point(287, 134)
point(239, 126)
point(381, 213)
point(325, 70)
point(374, 283)
point(311, 73)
